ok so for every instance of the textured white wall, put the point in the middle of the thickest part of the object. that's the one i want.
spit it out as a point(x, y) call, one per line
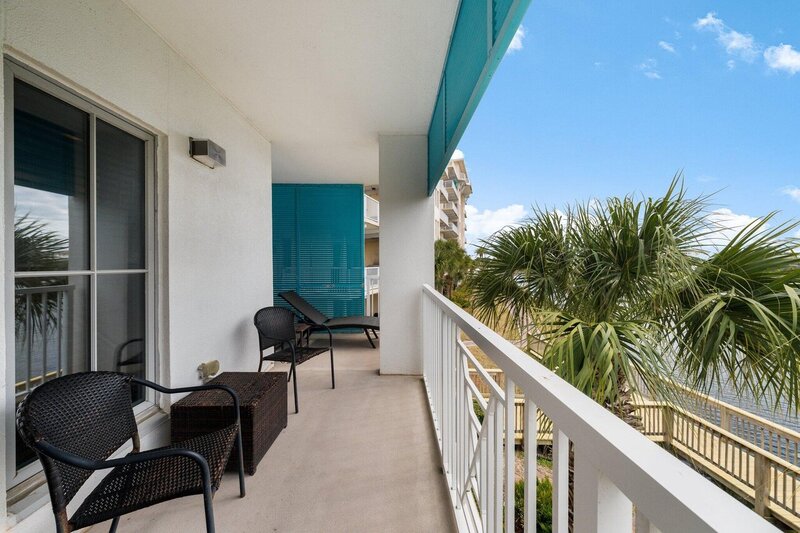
point(406, 249)
point(216, 225)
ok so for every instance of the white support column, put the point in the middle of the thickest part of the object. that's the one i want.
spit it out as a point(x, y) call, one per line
point(406, 249)
point(599, 505)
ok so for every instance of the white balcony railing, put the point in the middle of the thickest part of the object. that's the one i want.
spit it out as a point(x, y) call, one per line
point(372, 210)
point(372, 277)
point(45, 350)
point(616, 469)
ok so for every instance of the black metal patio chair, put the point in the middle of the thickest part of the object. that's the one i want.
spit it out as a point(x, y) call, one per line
point(276, 330)
point(75, 423)
point(315, 317)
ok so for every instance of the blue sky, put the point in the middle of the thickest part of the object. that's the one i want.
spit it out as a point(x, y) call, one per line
point(610, 98)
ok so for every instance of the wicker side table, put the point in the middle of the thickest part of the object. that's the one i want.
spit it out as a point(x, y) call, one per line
point(262, 397)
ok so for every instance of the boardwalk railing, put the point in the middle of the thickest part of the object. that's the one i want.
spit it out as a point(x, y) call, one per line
point(765, 479)
point(615, 467)
point(758, 461)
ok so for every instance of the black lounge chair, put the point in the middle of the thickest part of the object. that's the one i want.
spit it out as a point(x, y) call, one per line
point(75, 423)
point(313, 316)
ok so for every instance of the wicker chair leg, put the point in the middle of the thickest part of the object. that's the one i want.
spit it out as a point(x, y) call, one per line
point(294, 384)
point(209, 509)
point(241, 460)
point(333, 377)
point(114, 524)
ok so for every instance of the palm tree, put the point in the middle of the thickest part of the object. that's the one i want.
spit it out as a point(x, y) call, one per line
point(626, 292)
point(451, 266)
point(39, 249)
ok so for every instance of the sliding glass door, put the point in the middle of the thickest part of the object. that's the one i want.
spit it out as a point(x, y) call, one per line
point(82, 241)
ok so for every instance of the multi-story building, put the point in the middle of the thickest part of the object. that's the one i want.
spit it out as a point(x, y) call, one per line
point(451, 194)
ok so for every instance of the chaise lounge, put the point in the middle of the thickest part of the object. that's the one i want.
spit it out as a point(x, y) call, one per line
point(316, 318)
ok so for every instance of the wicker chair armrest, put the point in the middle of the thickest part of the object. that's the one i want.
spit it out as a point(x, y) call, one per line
point(208, 386)
point(93, 464)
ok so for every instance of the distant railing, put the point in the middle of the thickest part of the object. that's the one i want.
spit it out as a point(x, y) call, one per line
point(372, 279)
point(769, 482)
point(616, 469)
point(47, 315)
point(372, 210)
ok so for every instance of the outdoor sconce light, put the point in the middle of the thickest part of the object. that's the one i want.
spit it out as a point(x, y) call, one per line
point(207, 152)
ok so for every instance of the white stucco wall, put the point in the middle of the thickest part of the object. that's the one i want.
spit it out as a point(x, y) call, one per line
point(215, 225)
point(406, 249)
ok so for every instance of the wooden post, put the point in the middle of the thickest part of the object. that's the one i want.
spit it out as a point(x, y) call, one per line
point(724, 418)
point(667, 426)
point(761, 480)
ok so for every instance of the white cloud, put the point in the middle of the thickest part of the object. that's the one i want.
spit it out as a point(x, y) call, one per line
point(50, 209)
point(664, 45)
point(516, 41)
point(783, 57)
point(726, 225)
point(740, 45)
point(481, 224)
point(731, 64)
point(457, 154)
point(649, 68)
point(792, 192)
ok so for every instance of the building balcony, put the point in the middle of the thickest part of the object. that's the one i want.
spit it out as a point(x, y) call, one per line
point(451, 190)
point(371, 212)
point(449, 230)
point(451, 208)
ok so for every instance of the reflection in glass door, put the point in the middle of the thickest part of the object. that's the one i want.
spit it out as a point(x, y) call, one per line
point(83, 225)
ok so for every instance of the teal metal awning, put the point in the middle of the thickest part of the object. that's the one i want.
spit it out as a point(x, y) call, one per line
point(470, 63)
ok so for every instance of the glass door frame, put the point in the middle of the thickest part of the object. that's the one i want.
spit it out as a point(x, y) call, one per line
point(16, 70)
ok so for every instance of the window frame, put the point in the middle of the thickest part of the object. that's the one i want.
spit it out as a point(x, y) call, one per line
point(14, 70)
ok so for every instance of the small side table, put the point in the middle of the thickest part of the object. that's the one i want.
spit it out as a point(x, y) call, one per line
point(262, 401)
point(302, 331)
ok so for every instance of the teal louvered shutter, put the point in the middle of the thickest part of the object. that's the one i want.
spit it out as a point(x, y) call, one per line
point(318, 245)
point(481, 35)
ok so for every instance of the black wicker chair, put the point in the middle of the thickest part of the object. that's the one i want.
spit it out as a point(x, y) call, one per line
point(275, 327)
point(76, 422)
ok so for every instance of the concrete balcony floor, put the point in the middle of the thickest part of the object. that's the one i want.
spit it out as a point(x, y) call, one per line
point(358, 458)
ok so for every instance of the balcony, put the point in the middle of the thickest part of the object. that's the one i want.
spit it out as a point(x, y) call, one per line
point(372, 279)
point(396, 453)
point(451, 190)
point(371, 211)
point(451, 208)
point(361, 457)
point(449, 230)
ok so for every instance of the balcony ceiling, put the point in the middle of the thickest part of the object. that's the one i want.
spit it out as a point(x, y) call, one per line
point(319, 79)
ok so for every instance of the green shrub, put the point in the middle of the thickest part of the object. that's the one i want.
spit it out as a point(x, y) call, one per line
point(544, 506)
point(476, 406)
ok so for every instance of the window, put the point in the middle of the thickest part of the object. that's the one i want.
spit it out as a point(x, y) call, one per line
point(82, 219)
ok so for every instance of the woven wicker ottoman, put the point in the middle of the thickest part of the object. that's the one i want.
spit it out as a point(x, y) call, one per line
point(262, 397)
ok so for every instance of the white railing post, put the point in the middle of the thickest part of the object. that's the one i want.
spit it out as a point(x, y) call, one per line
point(511, 457)
point(530, 445)
point(485, 481)
point(599, 505)
point(560, 481)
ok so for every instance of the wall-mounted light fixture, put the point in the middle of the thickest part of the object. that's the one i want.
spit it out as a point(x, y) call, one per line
point(207, 152)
